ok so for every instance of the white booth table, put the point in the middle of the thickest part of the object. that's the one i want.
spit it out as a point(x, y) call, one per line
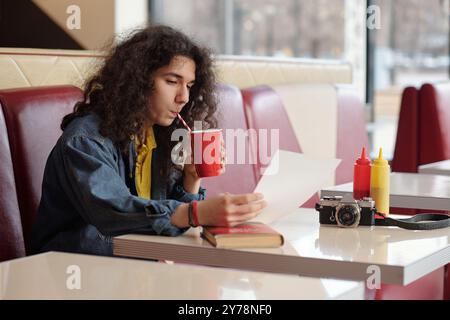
point(48, 276)
point(409, 190)
point(310, 249)
point(440, 168)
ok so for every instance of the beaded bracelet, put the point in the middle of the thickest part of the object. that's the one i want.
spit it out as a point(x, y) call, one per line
point(192, 214)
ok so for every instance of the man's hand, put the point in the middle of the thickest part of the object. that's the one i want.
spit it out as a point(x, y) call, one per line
point(230, 210)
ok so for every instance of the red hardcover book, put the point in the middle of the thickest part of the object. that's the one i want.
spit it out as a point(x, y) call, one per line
point(246, 235)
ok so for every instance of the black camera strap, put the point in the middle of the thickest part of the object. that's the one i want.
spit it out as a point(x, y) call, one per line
point(422, 221)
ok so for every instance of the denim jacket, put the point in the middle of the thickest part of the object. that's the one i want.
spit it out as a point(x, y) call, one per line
point(89, 194)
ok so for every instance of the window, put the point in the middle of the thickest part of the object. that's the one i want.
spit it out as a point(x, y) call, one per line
point(412, 47)
point(283, 28)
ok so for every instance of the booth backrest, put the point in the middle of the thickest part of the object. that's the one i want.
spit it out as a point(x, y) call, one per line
point(325, 120)
point(423, 133)
point(238, 178)
point(245, 72)
point(319, 120)
point(11, 236)
point(328, 121)
point(351, 131)
point(406, 153)
point(322, 120)
point(265, 112)
point(25, 67)
point(434, 122)
point(33, 117)
point(423, 136)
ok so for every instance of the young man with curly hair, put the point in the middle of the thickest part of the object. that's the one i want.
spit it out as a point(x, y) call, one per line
point(111, 172)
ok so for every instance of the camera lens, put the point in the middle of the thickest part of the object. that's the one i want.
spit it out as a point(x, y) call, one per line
point(348, 216)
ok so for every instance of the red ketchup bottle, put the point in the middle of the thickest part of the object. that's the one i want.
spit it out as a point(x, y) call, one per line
point(361, 177)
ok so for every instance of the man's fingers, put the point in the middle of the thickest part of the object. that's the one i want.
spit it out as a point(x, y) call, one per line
point(246, 198)
point(250, 207)
point(238, 219)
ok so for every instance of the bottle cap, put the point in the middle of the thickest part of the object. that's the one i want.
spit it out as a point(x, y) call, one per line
point(363, 160)
point(380, 161)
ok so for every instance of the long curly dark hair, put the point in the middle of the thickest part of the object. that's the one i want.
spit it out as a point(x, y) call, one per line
point(119, 92)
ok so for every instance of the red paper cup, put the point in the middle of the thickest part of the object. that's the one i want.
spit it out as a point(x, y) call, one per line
point(206, 147)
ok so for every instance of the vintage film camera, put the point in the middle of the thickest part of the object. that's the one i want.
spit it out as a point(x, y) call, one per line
point(346, 212)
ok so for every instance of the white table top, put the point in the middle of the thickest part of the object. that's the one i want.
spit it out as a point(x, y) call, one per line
point(409, 190)
point(441, 168)
point(312, 250)
point(45, 276)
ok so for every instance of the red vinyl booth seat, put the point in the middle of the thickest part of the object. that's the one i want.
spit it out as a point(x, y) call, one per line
point(351, 123)
point(423, 136)
point(434, 110)
point(265, 111)
point(238, 178)
point(33, 117)
point(352, 132)
point(434, 134)
point(406, 152)
point(11, 237)
point(423, 132)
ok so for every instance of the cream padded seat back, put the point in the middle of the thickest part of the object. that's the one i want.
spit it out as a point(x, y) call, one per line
point(37, 67)
point(251, 72)
point(23, 67)
point(328, 121)
point(312, 110)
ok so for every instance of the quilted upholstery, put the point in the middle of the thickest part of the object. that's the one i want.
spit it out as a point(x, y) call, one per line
point(251, 72)
point(43, 67)
point(37, 67)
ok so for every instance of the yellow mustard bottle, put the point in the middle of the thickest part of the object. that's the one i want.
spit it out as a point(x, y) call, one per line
point(379, 183)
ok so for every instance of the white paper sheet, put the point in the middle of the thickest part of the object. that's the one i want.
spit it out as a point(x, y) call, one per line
point(290, 180)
